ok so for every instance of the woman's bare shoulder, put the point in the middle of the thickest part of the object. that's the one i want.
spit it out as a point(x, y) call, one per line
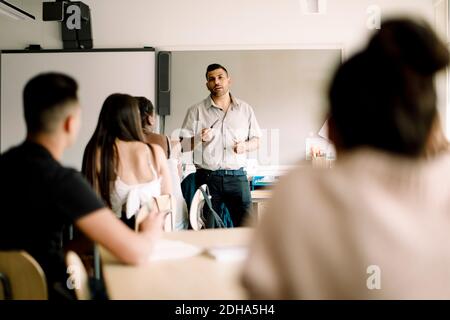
point(158, 150)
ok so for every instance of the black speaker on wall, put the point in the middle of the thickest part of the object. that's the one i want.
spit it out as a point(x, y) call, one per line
point(164, 58)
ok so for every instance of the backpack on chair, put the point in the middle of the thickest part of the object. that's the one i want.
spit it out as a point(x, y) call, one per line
point(201, 205)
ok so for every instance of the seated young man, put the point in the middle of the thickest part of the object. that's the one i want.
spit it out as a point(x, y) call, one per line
point(41, 196)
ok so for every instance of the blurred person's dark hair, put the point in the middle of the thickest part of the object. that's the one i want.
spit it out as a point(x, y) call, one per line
point(146, 109)
point(384, 97)
point(47, 98)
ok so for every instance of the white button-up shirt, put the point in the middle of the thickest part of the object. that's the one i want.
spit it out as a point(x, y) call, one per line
point(238, 124)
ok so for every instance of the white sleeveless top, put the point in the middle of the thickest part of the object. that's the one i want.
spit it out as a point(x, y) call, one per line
point(134, 196)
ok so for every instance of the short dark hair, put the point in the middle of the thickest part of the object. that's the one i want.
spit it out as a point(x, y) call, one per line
point(214, 66)
point(46, 99)
point(145, 108)
point(384, 96)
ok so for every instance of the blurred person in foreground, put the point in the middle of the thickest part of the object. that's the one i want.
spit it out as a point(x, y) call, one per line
point(377, 226)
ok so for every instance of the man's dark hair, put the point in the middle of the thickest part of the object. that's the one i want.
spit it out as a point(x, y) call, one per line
point(214, 66)
point(46, 100)
point(384, 96)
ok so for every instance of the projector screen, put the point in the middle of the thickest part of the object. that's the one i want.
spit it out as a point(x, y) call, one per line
point(99, 73)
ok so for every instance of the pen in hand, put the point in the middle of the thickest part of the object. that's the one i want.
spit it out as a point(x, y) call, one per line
point(214, 124)
point(207, 134)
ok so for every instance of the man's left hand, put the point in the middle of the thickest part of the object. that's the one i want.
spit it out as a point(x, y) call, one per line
point(240, 147)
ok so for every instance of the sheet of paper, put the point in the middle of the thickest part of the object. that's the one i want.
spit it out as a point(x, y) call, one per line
point(171, 249)
point(228, 253)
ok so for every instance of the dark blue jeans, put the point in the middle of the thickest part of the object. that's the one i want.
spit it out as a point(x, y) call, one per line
point(231, 190)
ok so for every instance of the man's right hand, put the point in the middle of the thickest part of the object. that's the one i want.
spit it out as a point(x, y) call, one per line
point(207, 134)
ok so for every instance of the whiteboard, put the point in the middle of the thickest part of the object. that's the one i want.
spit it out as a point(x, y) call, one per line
point(99, 73)
point(287, 89)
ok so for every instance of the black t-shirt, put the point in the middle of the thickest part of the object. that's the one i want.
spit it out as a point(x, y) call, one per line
point(40, 197)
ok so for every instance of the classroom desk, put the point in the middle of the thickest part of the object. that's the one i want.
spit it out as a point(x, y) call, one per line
point(199, 277)
point(260, 200)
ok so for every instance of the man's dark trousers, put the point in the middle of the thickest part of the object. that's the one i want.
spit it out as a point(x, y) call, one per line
point(229, 187)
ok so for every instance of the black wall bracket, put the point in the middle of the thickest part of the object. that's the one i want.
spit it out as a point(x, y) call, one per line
point(75, 18)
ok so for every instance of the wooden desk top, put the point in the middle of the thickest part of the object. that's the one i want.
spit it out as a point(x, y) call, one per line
point(263, 194)
point(199, 277)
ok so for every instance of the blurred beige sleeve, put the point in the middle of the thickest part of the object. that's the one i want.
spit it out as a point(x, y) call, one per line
point(282, 263)
point(263, 269)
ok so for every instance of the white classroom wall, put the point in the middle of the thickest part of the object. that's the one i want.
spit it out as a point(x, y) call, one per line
point(231, 24)
point(235, 23)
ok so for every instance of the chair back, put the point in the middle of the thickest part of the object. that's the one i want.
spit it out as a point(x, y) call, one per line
point(21, 277)
point(180, 216)
point(164, 203)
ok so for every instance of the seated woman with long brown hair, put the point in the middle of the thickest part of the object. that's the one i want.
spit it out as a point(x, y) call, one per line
point(172, 151)
point(125, 171)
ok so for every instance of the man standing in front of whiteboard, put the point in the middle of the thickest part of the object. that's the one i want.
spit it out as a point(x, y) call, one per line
point(221, 129)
